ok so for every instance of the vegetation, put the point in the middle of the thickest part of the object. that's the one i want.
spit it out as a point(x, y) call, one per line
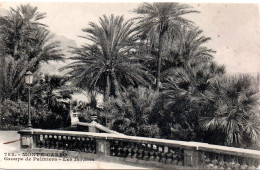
point(25, 43)
point(158, 20)
point(133, 113)
point(156, 74)
point(107, 63)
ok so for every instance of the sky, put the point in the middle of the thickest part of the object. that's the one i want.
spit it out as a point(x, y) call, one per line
point(234, 28)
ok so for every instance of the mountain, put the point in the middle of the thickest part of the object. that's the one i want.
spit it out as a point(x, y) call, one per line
point(52, 67)
point(3, 12)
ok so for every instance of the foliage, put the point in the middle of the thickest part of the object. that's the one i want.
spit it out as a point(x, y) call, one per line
point(85, 115)
point(158, 20)
point(23, 36)
point(234, 117)
point(132, 115)
point(25, 43)
point(107, 64)
point(50, 97)
point(183, 90)
point(14, 113)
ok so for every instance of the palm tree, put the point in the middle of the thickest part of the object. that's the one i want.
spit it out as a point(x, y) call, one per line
point(187, 48)
point(133, 114)
point(25, 43)
point(157, 20)
point(17, 28)
point(184, 89)
point(234, 116)
point(107, 62)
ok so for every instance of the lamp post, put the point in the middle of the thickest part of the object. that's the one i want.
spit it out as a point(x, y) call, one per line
point(28, 81)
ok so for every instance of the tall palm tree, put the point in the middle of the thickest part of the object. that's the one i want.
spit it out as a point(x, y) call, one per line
point(159, 18)
point(17, 28)
point(188, 48)
point(107, 62)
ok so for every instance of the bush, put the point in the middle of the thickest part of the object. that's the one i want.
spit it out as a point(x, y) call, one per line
point(14, 114)
point(133, 113)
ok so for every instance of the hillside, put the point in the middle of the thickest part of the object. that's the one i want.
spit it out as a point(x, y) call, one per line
point(52, 67)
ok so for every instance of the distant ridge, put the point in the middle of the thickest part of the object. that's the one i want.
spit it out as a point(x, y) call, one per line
point(52, 67)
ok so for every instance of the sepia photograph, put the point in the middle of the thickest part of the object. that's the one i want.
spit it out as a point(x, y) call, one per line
point(129, 85)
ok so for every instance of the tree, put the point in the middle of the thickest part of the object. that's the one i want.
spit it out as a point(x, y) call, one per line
point(50, 98)
point(157, 20)
point(184, 89)
point(17, 28)
point(187, 48)
point(234, 117)
point(25, 43)
point(107, 64)
point(133, 113)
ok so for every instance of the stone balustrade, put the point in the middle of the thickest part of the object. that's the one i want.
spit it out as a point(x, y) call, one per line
point(141, 150)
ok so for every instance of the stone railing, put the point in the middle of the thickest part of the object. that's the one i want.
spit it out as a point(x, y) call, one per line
point(153, 152)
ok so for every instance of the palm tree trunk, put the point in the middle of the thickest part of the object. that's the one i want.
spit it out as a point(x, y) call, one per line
point(117, 88)
point(15, 50)
point(159, 63)
point(106, 96)
point(108, 87)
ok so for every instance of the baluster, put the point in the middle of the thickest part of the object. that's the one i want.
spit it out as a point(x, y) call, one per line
point(137, 152)
point(69, 143)
point(207, 160)
point(60, 143)
point(251, 165)
point(93, 145)
point(56, 142)
point(125, 149)
point(140, 151)
point(163, 154)
point(202, 159)
point(135, 149)
point(236, 165)
point(180, 156)
point(146, 152)
point(174, 156)
point(74, 143)
point(258, 164)
point(47, 141)
point(38, 142)
point(169, 156)
point(89, 148)
point(130, 150)
point(84, 145)
point(112, 148)
point(51, 142)
point(221, 162)
point(229, 163)
point(244, 165)
point(41, 141)
point(37, 139)
point(152, 152)
point(158, 154)
point(79, 144)
point(119, 149)
point(66, 143)
point(214, 161)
